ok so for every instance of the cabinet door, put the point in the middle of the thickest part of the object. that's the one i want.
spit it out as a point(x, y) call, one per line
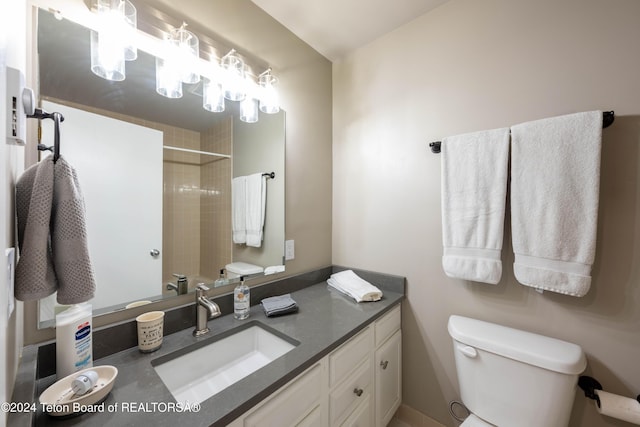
point(361, 417)
point(388, 379)
point(292, 403)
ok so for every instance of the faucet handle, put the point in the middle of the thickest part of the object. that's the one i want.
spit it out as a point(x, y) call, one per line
point(179, 276)
point(201, 290)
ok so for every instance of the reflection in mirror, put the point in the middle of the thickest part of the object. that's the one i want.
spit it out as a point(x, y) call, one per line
point(156, 175)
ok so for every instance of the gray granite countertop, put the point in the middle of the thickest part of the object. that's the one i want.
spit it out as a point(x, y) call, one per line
point(325, 320)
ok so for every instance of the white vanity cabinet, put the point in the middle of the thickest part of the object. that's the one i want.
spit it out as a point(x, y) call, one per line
point(388, 367)
point(300, 402)
point(359, 384)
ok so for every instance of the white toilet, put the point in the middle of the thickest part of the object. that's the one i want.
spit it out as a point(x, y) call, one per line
point(237, 269)
point(512, 378)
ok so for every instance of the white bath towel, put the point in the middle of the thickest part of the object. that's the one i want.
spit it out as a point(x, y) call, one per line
point(239, 209)
point(352, 285)
point(474, 192)
point(555, 180)
point(256, 193)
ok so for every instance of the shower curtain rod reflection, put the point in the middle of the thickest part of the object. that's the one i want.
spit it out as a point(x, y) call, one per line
point(607, 119)
point(188, 150)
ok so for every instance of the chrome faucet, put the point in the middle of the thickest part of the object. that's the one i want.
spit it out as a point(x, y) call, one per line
point(205, 310)
point(181, 286)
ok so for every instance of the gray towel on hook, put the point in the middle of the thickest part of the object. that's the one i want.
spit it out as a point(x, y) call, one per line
point(52, 235)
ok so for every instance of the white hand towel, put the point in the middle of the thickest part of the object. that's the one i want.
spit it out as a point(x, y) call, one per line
point(239, 209)
point(474, 192)
point(555, 181)
point(255, 204)
point(357, 288)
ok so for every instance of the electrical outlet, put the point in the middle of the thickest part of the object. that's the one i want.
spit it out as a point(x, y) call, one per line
point(289, 250)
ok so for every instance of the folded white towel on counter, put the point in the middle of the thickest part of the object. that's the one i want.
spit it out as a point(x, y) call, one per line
point(474, 192)
point(357, 288)
point(239, 209)
point(555, 180)
point(256, 193)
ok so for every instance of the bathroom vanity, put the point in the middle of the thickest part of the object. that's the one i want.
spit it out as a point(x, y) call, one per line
point(344, 369)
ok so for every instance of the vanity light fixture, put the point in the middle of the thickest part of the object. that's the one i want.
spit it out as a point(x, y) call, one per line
point(111, 43)
point(169, 70)
point(116, 39)
point(249, 109)
point(269, 102)
point(212, 95)
point(180, 54)
point(234, 76)
point(187, 53)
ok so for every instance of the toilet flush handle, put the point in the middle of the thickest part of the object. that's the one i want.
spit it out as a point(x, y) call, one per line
point(468, 351)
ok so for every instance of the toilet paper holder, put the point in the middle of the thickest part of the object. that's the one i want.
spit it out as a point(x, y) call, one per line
point(589, 385)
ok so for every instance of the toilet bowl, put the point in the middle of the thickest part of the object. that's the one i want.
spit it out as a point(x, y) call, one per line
point(509, 377)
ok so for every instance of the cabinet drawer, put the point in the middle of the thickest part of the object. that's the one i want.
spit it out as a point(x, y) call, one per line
point(387, 325)
point(355, 389)
point(292, 404)
point(345, 359)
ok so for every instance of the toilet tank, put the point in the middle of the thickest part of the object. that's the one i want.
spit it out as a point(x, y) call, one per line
point(237, 269)
point(510, 377)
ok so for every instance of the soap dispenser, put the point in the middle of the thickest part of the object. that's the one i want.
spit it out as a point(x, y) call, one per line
point(241, 300)
point(220, 281)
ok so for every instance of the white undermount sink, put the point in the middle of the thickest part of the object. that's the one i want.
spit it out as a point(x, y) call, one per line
point(210, 368)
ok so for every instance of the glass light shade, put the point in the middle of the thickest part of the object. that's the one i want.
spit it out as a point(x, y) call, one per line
point(234, 81)
point(188, 52)
point(212, 96)
point(131, 25)
point(108, 43)
point(107, 56)
point(249, 110)
point(269, 102)
point(169, 74)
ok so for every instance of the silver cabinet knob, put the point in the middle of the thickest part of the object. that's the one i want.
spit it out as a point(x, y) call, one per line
point(154, 253)
point(384, 364)
point(358, 391)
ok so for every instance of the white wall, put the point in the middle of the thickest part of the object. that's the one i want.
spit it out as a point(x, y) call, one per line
point(12, 54)
point(481, 64)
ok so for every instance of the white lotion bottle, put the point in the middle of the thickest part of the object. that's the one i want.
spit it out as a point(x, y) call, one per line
point(74, 340)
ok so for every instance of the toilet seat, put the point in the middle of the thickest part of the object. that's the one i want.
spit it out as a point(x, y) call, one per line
point(473, 421)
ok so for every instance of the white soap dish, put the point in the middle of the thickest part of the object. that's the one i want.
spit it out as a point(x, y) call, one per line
point(59, 399)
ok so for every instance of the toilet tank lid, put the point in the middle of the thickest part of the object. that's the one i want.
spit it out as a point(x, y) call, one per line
point(243, 268)
point(538, 350)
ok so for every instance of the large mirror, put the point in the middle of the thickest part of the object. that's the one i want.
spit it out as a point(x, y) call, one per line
point(156, 174)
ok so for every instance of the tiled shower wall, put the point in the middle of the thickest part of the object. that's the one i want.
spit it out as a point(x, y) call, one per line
point(215, 212)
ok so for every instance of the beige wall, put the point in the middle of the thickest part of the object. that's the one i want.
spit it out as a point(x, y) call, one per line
point(12, 53)
point(472, 65)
